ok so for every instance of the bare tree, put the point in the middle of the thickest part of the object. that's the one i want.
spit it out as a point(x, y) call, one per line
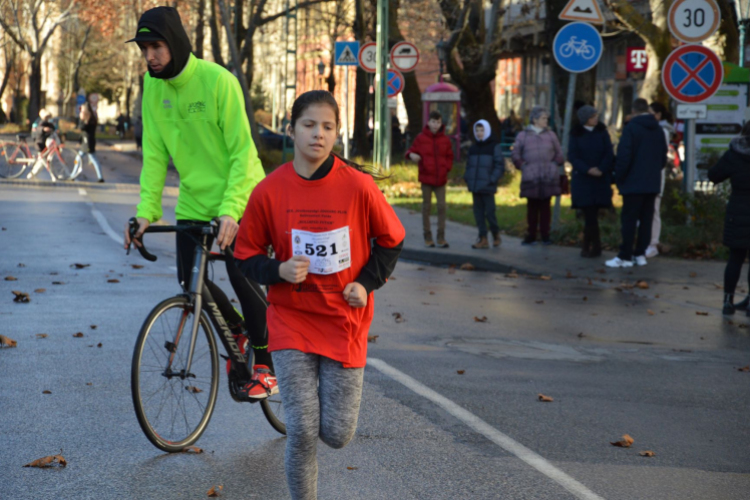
point(31, 25)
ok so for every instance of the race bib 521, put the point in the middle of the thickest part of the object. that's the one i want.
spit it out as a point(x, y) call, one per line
point(329, 252)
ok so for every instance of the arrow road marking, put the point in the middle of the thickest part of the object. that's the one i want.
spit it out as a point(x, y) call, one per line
point(505, 442)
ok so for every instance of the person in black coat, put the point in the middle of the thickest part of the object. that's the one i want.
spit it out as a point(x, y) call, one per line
point(485, 166)
point(641, 156)
point(592, 156)
point(735, 166)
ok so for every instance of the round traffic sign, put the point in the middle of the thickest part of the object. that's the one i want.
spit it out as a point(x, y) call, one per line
point(577, 47)
point(692, 73)
point(395, 82)
point(405, 56)
point(368, 57)
point(692, 21)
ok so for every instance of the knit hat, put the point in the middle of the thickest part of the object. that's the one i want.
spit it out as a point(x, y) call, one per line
point(537, 112)
point(585, 113)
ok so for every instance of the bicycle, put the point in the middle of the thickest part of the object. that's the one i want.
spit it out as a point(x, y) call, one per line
point(181, 374)
point(580, 48)
point(83, 150)
point(16, 157)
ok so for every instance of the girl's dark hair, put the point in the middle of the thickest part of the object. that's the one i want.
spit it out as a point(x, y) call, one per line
point(313, 97)
point(665, 113)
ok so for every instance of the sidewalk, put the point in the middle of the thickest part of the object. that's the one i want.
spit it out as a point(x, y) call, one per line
point(555, 261)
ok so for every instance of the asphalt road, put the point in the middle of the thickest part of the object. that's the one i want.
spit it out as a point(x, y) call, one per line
point(669, 378)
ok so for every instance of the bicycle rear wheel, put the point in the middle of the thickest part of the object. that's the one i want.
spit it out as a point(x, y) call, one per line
point(10, 166)
point(273, 409)
point(174, 408)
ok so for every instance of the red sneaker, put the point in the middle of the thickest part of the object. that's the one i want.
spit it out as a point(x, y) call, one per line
point(243, 343)
point(262, 385)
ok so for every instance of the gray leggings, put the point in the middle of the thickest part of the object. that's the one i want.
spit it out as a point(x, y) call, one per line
point(321, 399)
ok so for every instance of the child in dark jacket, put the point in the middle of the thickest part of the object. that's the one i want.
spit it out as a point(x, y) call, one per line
point(433, 151)
point(485, 166)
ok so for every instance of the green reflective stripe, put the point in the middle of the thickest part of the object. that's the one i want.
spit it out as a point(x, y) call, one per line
point(144, 30)
point(260, 347)
point(239, 313)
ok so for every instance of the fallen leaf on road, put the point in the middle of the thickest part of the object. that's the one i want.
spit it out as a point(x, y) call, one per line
point(7, 342)
point(233, 300)
point(352, 468)
point(581, 335)
point(701, 313)
point(40, 290)
point(50, 461)
point(20, 296)
point(539, 301)
point(460, 372)
point(467, 266)
point(569, 275)
point(41, 335)
point(11, 278)
point(99, 344)
point(113, 280)
point(432, 293)
point(215, 491)
point(89, 383)
point(58, 283)
point(136, 266)
point(650, 312)
point(398, 317)
point(21, 264)
point(512, 274)
point(624, 443)
point(693, 274)
point(585, 298)
point(591, 283)
point(93, 327)
point(46, 392)
point(642, 285)
point(193, 449)
point(545, 399)
point(686, 288)
point(80, 266)
point(545, 278)
point(420, 269)
point(601, 271)
point(193, 389)
point(647, 453)
point(744, 369)
point(372, 338)
point(78, 335)
point(482, 319)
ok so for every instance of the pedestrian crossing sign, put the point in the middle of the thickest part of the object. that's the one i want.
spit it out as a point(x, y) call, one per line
point(346, 53)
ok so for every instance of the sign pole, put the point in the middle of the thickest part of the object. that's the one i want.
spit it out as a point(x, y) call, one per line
point(346, 112)
point(566, 138)
point(381, 75)
point(690, 174)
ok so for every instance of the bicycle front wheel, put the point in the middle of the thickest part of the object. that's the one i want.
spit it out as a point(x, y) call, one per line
point(174, 407)
point(273, 409)
point(12, 162)
point(61, 163)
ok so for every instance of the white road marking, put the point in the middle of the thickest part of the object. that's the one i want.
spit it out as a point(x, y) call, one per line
point(82, 191)
point(106, 227)
point(505, 442)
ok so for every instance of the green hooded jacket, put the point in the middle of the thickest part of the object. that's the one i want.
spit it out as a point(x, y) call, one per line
point(198, 119)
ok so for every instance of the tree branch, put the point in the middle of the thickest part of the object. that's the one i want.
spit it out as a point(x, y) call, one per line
point(634, 20)
point(283, 13)
point(490, 34)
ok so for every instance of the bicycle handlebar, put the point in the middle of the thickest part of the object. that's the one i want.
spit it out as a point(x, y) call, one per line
point(133, 226)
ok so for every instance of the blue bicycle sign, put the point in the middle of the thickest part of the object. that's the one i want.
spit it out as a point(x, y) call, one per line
point(577, 47)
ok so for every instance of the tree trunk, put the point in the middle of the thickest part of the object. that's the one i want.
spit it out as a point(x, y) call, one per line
point(412, 93)
point(215, 36)
point(362, 92)
point(35, 87)
point(199, 29)
point(726, 42)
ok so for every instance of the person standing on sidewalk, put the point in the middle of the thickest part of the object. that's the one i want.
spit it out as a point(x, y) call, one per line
point(433, 151)
point(538, 155)
point(193, 114)
point(591, 154)
point(641, 157)
point(485, 165)
point(89, 121)
point(664, 117)
point(336, 240)
point(735, 166)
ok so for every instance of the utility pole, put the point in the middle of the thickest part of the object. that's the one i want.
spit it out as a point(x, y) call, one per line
point(381, 146)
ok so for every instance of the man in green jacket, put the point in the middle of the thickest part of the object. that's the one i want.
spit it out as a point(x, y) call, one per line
point(194, 112)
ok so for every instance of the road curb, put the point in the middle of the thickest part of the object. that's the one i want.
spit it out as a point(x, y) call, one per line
point(456, 259)
point(110, 186)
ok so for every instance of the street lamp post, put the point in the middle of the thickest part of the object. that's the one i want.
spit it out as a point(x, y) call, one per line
point(441, 57)
point(743, 16)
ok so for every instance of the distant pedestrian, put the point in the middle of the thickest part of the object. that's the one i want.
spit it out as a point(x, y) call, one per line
point(537, 153)
point(664, 117)
point(641, 157)
point(433, 151)
point(735, 166)
point(138, 132)
point(89, 121)
point(485, 165)
point(121, 121)
point(591, 154)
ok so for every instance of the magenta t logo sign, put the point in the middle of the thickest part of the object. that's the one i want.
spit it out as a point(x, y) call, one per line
point(637, 60)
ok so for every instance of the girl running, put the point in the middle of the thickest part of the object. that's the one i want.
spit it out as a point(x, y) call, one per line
point(320, 214)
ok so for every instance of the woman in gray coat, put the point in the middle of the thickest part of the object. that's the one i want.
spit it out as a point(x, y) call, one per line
point(485, 166)
point(537, 153)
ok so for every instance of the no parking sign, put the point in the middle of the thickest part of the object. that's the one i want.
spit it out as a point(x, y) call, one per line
point(692, 73)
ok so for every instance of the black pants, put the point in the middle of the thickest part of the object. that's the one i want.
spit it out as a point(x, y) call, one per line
point(637, 210)
point(733, 270)
point(538, 212)
point(251, 296)
point(484, 210)
point(591, 226)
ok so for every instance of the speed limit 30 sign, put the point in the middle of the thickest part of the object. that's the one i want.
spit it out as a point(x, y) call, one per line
point(692, 21)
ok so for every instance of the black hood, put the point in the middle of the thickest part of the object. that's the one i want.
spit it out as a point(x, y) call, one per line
point(646, 121)
point(165, 21)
